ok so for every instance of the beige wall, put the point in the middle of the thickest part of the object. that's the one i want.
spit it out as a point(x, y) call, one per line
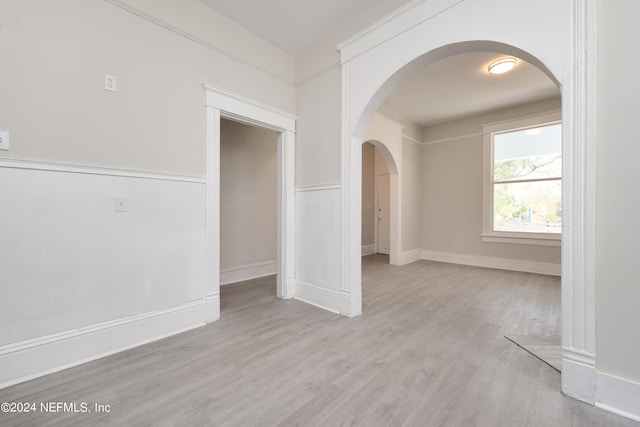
point(411, 181)
point(248, 195)
point(368, 194)
point(618, 198)
point(54, 58)
point(452, 203)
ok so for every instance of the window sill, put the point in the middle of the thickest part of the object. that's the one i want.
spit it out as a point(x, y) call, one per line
point(553, 241)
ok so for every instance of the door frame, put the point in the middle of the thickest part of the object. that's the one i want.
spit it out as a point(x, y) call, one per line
point(377, 201)
point(224, 104)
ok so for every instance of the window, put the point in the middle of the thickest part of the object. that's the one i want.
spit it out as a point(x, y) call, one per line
point(523, 181)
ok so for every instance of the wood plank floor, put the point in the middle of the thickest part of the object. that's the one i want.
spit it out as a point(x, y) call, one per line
point(429, 350)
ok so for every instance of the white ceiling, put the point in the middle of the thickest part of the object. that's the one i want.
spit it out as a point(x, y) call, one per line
point(460, 86)
point(292, 25)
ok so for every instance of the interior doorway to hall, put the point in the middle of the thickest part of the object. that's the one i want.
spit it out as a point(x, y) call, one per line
point(248, 209)
point(376, 202)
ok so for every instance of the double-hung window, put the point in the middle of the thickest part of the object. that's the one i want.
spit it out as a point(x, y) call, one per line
point(523, 181)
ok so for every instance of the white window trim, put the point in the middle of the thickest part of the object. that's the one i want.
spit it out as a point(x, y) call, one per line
point(489, 235)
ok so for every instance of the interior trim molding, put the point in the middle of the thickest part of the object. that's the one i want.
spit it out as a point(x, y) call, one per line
point(452, 138)
point(618, 395)
point(96, 170)
point(579, 192)
point(40, 356)
point(386, 28)
point(327, 299)
point(490, 262)
point(368, 249)
point(407, 257)
point(326, 187)
point(578, 374)
point(199, 40)
point(247, 272)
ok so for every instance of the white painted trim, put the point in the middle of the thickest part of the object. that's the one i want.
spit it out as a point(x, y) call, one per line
point(390, 26)
point(190, 36)
point(536, 240)
point(325, 187)
point(221, 103)
point(579, 190)
point(407, 257)
point(95, 170)
point(578, 374)
point(412, 139)
point(618, 395)
point(368, 249)
point(212, 215)
point(489, 262)
point(327, 299)
point(524, 122)
point(452, 138)
point(249, 111)
point(34, 358)
point(247, 272)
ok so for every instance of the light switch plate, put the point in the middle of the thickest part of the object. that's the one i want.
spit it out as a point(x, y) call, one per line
point(4, 140)
point(110, 83)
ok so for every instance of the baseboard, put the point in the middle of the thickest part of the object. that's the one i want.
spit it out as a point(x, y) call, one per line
point(618, 395)
point(34, 358)
point(578, 375)
point(328, 299)
point(499, 263)
point(248, 271)
point(368, 249)
point(408, 257)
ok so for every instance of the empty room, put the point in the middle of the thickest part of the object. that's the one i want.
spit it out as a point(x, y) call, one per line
point(358, 212)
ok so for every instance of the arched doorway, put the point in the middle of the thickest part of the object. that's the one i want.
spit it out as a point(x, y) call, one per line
point(374, 62)
point(385, 228)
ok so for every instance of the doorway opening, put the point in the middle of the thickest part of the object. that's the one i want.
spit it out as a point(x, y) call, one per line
point(220, 105)
point(379, 192)
point(248, 204)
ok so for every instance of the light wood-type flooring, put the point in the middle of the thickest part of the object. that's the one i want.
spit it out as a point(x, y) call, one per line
point(429, 350)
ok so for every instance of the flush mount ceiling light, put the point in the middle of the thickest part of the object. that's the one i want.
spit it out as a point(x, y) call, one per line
point(502, 65)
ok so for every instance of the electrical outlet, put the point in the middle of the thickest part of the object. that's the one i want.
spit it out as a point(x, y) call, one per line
point(4, 139)
point(121, 204)
point(110, 83)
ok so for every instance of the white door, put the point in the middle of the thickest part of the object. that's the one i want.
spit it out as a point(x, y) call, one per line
point(383, 221)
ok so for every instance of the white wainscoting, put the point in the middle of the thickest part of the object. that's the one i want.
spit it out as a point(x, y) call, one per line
point(618, 395)
point(499, 263)
point(247, 272)
point(80, 280)
point(319, 246)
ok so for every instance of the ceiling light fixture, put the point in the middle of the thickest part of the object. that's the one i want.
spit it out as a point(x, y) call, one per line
point(502, 65)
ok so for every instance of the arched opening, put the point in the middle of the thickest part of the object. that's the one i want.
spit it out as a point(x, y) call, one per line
point(380, 202)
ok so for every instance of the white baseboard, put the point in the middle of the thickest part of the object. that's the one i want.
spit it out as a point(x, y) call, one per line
point(368, 249)
point(618, 395)
point(408, 257)
point(34, 358)
point(578, 375)
point(328, 299)
point(499, 263)
point(247, 272)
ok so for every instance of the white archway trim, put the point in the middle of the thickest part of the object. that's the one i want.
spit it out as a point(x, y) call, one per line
point(573, 58)
point(224, 104)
